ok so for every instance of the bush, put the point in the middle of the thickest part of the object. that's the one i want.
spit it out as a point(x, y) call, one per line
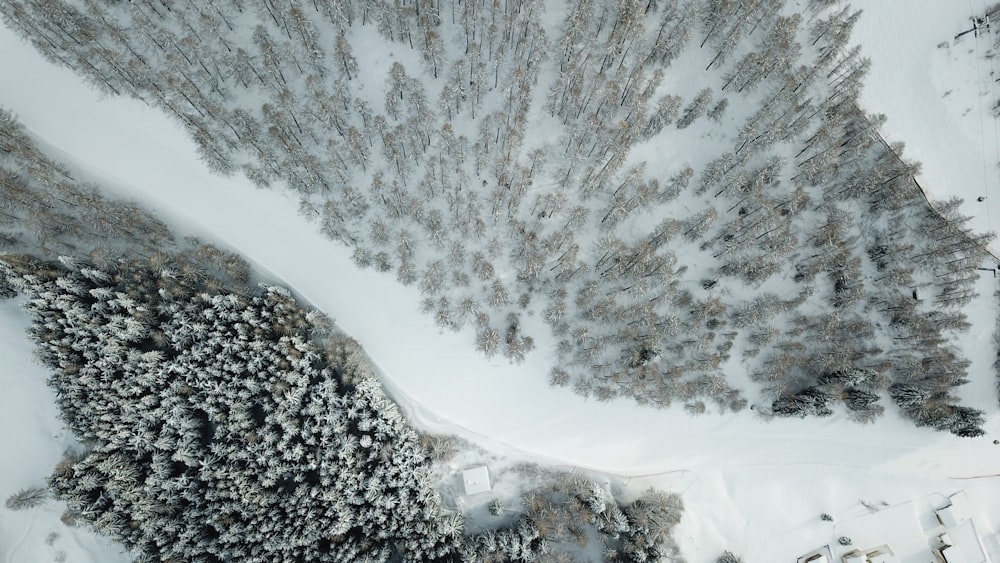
point(908, 395)
point(6, 291)
point(809, 402)
point(27, 498)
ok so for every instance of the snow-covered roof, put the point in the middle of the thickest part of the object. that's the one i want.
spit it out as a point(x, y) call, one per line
point(960, 502)
point(476, 480)
point(818, 558)
point(965, 545)
point(955, 513)
point(855, 557)
point(953, 554)
point(880, 556)
point(947, 517)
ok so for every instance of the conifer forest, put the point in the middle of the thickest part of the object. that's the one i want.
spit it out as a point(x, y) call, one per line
point(682, 202)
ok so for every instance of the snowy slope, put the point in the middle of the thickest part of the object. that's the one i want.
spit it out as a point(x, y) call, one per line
point(754, 486)
point(32, 440)
point(938, 94)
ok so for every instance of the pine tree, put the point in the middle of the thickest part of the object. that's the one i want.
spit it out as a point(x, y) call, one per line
point(27, 498)
point(694, 109)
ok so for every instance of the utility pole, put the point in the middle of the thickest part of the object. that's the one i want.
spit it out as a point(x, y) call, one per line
point(978, 25)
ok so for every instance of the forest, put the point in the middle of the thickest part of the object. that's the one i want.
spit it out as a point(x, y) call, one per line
point(527, 166)
point(222, 421)
point(682, 202)
point(214, 429)
point(518, 162)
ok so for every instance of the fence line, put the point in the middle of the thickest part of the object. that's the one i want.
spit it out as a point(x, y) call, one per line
point(923, 193)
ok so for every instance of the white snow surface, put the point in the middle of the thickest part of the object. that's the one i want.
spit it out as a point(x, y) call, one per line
point(752, 486)
point(938, 94)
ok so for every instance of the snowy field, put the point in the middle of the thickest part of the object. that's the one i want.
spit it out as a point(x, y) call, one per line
point(752, 486)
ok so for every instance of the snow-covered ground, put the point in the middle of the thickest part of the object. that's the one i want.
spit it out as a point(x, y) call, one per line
point(938, 93)
point(752, 486)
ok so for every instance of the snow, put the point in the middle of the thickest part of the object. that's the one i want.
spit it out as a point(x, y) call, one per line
point(965, 547)
point(937, 93)
point(955, 512)
point(476, 480)
point(749, 485)
point(953, 555)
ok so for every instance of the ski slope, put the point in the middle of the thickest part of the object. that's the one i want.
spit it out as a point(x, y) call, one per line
point(752, 486)
point(938, 94)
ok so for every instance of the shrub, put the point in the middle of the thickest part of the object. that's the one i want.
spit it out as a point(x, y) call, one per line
point(27, 498)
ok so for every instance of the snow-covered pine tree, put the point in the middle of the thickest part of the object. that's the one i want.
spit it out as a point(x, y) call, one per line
point(27, 498)
point(256, 446)
point(295, 101)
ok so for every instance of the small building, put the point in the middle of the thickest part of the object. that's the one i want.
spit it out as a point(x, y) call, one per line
point(955, 512)
point(821, 555)
point(961, 544)
point(476, 480)
point(952, 554)
point(882, 557)
point(880, 554)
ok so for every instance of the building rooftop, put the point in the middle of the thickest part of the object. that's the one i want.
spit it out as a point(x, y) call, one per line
point(882, 554)
point(476, 480)
point(955, 512)
point(953, 554)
